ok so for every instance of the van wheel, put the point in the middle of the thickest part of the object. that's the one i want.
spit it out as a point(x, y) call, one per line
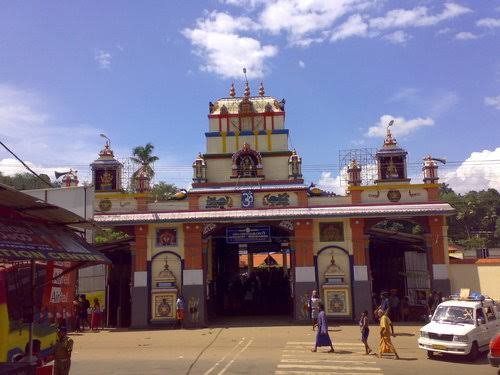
point(430, 354)
point(474, 352)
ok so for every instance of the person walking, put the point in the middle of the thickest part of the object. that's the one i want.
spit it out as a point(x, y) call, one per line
point(385, 345)
point(322, 336)
point(385, 307)
point(180, 310)
point(77, 308)
point(365, 331)
point(62, 352)
point(84, 311)
point(314, 307)
point(95, 320)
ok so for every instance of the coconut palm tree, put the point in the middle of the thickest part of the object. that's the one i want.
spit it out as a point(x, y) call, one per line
point(143, 156)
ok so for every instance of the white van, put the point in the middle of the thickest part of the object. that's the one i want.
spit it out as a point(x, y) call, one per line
point(462, 327)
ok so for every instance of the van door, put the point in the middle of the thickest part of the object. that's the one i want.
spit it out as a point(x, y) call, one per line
point(493, 321)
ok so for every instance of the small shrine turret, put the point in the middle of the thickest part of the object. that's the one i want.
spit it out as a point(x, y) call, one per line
point(142, 181)
point(199, 169)
point(354, 173)
point(430, 169)
point(391, 160)
point(295, 166)
point(106, 170)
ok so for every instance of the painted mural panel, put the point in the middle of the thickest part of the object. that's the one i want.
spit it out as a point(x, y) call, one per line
point(331, 232)
point(166, 237)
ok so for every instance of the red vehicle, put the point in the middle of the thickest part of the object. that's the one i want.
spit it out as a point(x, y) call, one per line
point(494, 354)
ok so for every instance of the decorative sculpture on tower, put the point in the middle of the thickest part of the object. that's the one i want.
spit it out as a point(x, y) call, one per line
point(391, 160)
point(142, 180)
point(430, 169)
point(354, 173)
point(246, 163)
point(294, 166)
point(69, 179)
point(106, 170)
point(199, 169)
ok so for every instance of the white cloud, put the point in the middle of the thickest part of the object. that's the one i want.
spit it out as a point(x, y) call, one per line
point(466, 35)
point(103, 59)
point(28, 129)
point(302, 64)
point(299, 18)
point(354, 26)
point(417, 17)
point(479, 171)
point(397, 37)
point(493, 101)
point(490, 23)
point(401, 125)
point(224, 51)
point(331, 183)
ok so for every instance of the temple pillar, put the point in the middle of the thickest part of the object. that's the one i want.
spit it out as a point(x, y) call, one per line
point(305, 275)
point(361, 288)
point(193, 287)
point(139, 291)
point(437, 245)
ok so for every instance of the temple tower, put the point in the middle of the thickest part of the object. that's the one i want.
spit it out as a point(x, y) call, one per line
point(106, 171)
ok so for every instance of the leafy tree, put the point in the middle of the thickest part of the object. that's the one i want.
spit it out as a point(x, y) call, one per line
point(142, 155)
point(25, 181)
point(108, 235)
point(476, 223)
point(162, 190)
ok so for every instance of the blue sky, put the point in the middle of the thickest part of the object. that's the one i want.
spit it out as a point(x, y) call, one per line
point(145, 71)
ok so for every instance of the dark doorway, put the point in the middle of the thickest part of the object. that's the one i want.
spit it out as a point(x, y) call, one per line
point(399, 267)
point(118, 300)
point(265, 290)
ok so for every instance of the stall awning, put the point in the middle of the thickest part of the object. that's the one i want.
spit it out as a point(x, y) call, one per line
point(25, 240)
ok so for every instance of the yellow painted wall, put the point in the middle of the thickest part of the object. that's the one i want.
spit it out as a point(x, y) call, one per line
point(380, 196)
point(279, 142)
point(274, 168)
point(329, 201)
point(172, 205)
point(484, 278)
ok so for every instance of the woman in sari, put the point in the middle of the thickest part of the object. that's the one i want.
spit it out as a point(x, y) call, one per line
point(322, 337)
point(385, 345)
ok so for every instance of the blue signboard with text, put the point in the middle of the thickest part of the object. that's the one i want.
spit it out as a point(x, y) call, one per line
point(260, 233)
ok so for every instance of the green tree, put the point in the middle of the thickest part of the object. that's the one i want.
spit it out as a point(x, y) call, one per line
point(162, 190)
point(142, 155)
point(25, 181)
point(108, 235)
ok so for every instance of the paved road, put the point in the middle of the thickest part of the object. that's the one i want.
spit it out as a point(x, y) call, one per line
point(276, 349)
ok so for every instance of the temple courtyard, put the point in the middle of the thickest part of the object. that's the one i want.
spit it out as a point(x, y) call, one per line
point(269, 346)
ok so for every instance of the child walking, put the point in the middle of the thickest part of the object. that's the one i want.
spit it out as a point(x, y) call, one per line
point(365, 331)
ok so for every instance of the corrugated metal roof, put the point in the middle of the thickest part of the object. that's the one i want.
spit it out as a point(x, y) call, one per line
point(398, 210)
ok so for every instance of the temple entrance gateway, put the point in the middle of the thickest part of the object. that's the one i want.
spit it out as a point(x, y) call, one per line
point(249, 271)
point(399, 266)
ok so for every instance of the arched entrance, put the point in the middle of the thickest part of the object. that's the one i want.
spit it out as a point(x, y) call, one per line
point(248, 270)
point(399, 265)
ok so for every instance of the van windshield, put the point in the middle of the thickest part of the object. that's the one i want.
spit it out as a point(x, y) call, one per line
point(454, 314)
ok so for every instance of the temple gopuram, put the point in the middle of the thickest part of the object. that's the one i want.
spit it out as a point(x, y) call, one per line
point(247, 201)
